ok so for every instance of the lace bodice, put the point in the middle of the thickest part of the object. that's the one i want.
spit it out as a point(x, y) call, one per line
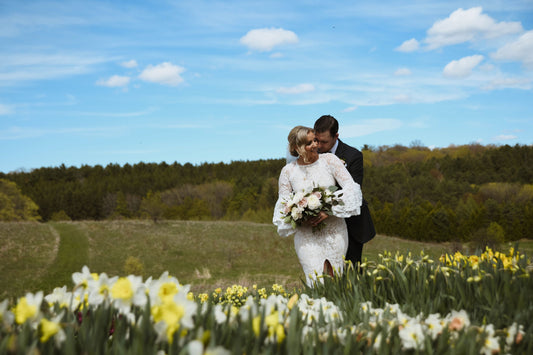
point(328, 170)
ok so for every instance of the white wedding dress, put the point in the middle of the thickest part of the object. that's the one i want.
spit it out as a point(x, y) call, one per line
point(331, 242)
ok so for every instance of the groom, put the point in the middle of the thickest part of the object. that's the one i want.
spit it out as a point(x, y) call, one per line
point(360, 228)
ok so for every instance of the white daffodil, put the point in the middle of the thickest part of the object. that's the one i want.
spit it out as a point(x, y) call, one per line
point(127, 292)
point(434, 324)
point(220, 313)
point(311, 309)
point(274, 302)
point(365, 306)
point(377, 342)
point(6, 316)
point(164, 288)
point(412, 336)
point(514, 334)
point(491, 344)
point(99, 289)
point(28, 308)
point(63, 298)
point(249, 310)
point(81, 279)
point(196, 347)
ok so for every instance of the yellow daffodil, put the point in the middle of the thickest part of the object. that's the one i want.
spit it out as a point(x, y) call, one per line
point(48, 329)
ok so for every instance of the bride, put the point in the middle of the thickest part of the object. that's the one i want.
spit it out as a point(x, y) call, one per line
point(317, 248)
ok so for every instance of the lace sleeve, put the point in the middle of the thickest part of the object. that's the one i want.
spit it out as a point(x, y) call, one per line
point(350, 190)
point(285, 189)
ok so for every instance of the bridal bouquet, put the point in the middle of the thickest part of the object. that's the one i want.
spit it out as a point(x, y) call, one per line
point(302, 205)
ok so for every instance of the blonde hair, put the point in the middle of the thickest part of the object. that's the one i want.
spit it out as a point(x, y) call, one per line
point(298, 140)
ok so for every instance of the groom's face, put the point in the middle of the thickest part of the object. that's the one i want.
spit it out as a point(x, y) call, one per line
point(325, 141)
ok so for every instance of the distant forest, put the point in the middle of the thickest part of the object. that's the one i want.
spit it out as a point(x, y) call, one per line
point(459, 193)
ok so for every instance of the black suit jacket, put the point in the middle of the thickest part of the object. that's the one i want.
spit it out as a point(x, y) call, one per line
point(361, 227)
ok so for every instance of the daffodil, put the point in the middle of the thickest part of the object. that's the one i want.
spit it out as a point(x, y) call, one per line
point(6, 316)
point(52, 328)
point(412, 336)
point(220, 314)
point(434, 325)
point(196, 347)
point(173, 314)
point(81, 279)
point(256, 325)
point(513, 335)
point(28, 307)
point(99, 289)
point(62, 298)
point(458, 320)
point(292, 301)
point(128, 291)
point(491, 344)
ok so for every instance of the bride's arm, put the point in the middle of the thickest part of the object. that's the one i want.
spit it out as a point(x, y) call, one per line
point(284, 191)
point(350, 190)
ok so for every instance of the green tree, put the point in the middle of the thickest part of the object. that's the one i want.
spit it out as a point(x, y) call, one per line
point(14, 206)
point(152, 206)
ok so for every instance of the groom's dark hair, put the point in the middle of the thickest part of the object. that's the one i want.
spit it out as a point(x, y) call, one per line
point(327, 123)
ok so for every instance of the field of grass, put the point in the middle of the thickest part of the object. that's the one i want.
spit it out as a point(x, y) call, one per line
point(206, 255)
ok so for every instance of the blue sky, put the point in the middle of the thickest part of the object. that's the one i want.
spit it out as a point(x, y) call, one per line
point(98, 82)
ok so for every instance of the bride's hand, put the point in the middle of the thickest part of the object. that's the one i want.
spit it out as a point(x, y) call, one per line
point(315, 221)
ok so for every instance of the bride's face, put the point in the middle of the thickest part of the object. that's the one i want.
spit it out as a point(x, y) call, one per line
point(311, 148)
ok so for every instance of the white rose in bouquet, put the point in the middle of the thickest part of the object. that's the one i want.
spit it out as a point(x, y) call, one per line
point(297, 198)
point(296, 213)
point(313, 202)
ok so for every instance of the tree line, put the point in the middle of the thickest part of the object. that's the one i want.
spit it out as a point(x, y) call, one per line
point(458, 193)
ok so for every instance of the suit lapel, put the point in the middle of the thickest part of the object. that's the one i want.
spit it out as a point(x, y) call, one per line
point(340, 149)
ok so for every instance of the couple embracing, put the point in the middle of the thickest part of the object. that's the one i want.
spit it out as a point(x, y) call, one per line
point(320, 200)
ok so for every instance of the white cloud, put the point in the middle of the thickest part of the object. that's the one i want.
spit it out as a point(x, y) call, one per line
point(509, 83)
point(409, 46)
point(504, 137)
point(370, 126)
point(350, 109)
point(298, 89)
point(402, 72)
point(468, 25)
point(114, 81)
point(5, 110)
point(15, 132)
point(402, 98)
point(165, 73)
point(276, 55)
point(129, 64)
point(519, 50)
point(463, 67)
point(265, 39)
point(35, 66)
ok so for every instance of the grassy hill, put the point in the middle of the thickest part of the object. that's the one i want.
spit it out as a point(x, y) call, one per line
point(41, 256)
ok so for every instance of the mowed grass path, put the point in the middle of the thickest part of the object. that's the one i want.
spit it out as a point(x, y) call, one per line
point(207, 255)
